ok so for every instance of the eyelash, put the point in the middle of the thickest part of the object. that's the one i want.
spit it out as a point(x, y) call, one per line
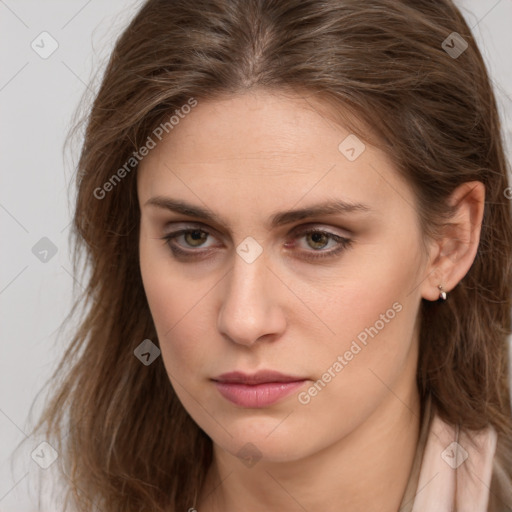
point(343, 243)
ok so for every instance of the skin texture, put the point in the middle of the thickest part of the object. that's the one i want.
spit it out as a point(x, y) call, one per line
point(245, 158)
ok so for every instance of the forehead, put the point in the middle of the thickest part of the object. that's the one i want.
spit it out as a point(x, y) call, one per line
point(262, 148)
point(256, 124)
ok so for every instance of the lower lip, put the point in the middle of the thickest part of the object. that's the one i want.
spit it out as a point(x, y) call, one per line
point(259, 395)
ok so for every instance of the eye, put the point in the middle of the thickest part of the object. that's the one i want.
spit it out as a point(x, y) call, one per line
point(316, 239)
point(193, 238)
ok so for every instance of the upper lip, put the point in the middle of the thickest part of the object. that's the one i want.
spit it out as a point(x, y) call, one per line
point(257, 378)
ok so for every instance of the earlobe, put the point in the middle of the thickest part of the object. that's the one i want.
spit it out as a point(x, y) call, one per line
point(457, 245)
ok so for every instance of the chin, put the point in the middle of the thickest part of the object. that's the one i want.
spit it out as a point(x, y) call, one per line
point(266, 439)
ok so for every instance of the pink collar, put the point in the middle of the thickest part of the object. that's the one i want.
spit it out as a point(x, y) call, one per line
point(456, 469)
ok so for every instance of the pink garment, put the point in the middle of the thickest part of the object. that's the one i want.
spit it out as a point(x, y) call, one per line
point(456, 470)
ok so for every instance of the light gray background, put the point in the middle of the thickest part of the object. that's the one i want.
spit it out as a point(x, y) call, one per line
point(38, 98)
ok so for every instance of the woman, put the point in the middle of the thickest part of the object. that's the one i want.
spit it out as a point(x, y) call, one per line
point(295, 218)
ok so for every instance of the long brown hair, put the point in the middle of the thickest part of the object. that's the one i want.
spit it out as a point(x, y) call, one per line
point(125, 441)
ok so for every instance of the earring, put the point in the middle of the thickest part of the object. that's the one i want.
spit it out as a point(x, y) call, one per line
point(442, 293)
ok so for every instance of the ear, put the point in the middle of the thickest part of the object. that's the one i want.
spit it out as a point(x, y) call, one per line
point(454, 250)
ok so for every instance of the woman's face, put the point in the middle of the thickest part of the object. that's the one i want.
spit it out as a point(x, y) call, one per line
point(248, 289)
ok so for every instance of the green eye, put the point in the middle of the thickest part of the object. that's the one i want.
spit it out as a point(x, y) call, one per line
point(319, 239)
point(316, 239)
point(195, 238)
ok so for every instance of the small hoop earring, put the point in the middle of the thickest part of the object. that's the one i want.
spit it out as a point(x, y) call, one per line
point(442, 293)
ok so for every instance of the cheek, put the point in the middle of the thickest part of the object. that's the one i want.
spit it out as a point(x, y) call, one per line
point(176, 322)
point(369, 289)
point(174, 303)
point(374, 333)
point(372, 313)
point(372, 352)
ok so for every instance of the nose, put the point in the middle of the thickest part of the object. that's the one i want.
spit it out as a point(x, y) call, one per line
point(250, 307)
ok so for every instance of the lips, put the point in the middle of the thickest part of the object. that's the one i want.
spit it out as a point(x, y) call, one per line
point(259, 377)
point(257, 390)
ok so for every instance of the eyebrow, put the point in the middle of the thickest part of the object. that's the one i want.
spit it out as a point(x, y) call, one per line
point(275, 220)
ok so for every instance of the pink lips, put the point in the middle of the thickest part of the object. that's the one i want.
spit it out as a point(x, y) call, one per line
point(259, 390)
